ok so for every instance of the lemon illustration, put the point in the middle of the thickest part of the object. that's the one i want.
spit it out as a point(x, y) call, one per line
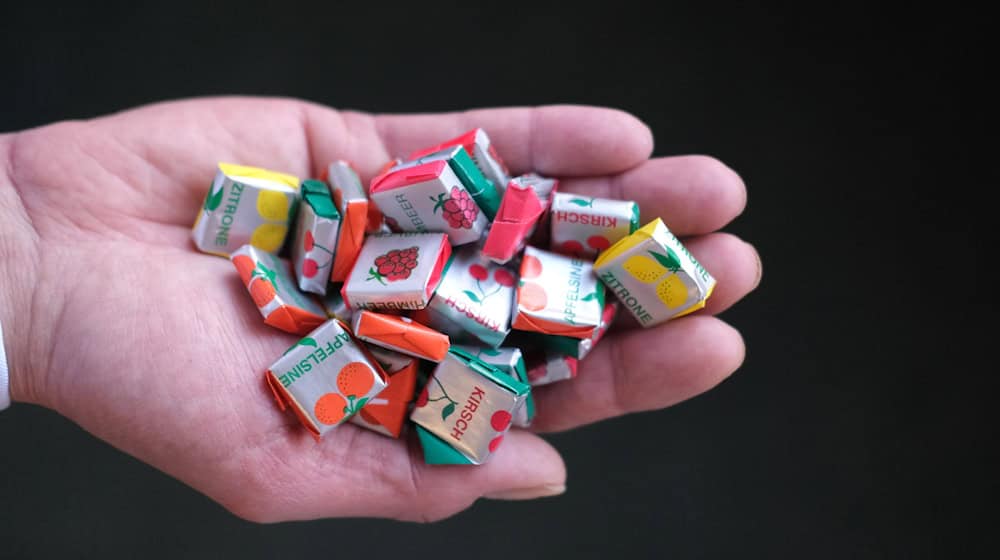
point(672, 291)
point(644, 269)
point(269, 237)
point(272, 205)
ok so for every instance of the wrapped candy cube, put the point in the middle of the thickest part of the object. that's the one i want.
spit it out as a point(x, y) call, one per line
point(579, 348)
point(465, 409)
point(246, 205)
point(524, 204)
point(429, 197)
point(401, 334)
point(325, 378)
point(315, 237)
point(352, 202)
point(583, 226)
point(386, 412)
point(557, 295)
point(270, 283)
point(473, 302)
point(547, 366)
point(477, 144)
point(510, 361)
point(483, 192)
point(654, 276)
point(397, 271)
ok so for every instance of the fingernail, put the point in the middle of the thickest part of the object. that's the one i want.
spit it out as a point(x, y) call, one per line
point(528, 493)
point(760, 266)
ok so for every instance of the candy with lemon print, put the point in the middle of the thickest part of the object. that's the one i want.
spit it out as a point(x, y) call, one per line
point(654, 276)
point(246, 205)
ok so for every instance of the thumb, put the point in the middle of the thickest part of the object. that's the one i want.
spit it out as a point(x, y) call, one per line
point(525, 467)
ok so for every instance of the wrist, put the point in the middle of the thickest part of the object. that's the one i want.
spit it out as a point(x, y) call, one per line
point(17, 272)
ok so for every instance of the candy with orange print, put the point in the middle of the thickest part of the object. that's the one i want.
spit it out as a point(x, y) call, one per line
point(465, 409)
point(326, 378)
point(269, 281)
point(387, 412)
point(557, 295)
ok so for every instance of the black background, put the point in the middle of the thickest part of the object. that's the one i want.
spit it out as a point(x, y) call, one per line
point(860, 424)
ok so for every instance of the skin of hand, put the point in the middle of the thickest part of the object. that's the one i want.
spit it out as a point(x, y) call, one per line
point(113, 319)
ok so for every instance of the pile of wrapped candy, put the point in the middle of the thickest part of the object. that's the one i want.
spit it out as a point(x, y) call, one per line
point(442, 293)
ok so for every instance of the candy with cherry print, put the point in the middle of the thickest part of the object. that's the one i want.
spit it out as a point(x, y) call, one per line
point(654, 276)
point(315, 237)
point(464, 410)
point(325, 378)
point(477, 144)
point(352, 202)
point(386, 412)
point(272, 288)
point(558, 295)
point(397, 271)
point(485, 194)
point(523, 206)
point(473, 301)
point(429, 197)
point(548, 366)
point(400, 334)
point(246, 205)
point(582, 226)
point(510, 361)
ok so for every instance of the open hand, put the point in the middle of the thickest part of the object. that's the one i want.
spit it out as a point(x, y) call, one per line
point(113, 319)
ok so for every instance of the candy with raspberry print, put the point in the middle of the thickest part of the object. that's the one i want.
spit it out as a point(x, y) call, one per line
point(459, 209)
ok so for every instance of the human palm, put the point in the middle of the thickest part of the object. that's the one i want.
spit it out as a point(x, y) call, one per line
point(115, 321)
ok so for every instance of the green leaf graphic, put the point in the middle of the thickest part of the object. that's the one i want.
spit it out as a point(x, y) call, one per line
point(447, 410)
point(472, 295)
point(581, 201)
point(589, 297)
point(212, 200)
point(308, 341)
point(361, 403)
point(668, 261)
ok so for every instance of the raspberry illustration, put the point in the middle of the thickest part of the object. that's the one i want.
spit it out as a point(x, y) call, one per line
point(394, 265)
point(458, 210)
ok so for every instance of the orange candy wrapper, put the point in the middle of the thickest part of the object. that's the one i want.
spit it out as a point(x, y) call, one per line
point(387, 412)
point(401, 334)
point(270, 283)
point(352, 202)
point(325, 378)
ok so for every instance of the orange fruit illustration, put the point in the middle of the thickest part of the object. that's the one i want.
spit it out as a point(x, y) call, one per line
point(531, 296)
point(262, 291)
point(245, 266)
point(531, 267)
point(329, 408)
point(355, 379)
